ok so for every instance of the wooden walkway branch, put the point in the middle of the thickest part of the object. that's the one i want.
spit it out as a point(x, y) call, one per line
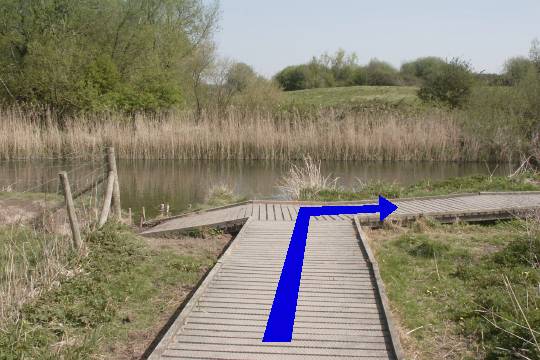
point(342, 308)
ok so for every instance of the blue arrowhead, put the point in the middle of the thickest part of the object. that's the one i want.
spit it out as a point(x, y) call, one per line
point(385, 207)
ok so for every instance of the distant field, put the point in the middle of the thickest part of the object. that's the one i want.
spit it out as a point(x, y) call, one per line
point(353, 95)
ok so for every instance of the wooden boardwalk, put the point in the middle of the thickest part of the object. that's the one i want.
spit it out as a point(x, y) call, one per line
point(472, 207)
point(342, 309)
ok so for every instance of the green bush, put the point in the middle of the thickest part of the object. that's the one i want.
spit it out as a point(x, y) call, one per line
point(112, 55)
point(417, 71)
point(516, 69)
point(380, 73)
point(451, 85)
point(292, 78)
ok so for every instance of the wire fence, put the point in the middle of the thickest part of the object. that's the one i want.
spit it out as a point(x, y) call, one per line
point(37, 190)
point(41, 222)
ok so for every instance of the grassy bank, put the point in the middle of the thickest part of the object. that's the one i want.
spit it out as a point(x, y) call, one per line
point(464, 291)
point(469, 184)
point(244, 134)
point(110, 304)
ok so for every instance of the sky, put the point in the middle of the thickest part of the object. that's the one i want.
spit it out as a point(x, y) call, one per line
point(272, 34)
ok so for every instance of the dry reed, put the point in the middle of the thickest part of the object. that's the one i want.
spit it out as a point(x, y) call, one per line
point(32, 262)
point(241, 134)
point(35, 255)
point(306, 177)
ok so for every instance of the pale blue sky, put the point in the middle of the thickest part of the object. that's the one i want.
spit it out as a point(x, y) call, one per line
point(271, 34)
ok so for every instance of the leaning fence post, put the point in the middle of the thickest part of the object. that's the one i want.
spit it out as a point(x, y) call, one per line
point(107, 200)
point(72, 215)
point(111, 166)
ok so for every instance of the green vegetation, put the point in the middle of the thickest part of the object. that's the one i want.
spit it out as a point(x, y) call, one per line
point(464, 291)
point(122, 286)
point(449, 84)
point(337, 70)
point(470, 184)
point(77, 75)
point(221, 195)
point(352, 96)
point(83, 55)
point(421, 69)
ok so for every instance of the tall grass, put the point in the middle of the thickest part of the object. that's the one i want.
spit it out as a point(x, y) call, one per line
point(242, 134)
point(306, 178)
point(31, 262)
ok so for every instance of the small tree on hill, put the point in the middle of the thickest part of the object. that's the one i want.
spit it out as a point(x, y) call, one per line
point(451, 85)
point(380, 73)
point(516, 69)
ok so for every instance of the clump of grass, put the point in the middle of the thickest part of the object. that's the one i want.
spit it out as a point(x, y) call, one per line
point(421, 246)
point(220, 195)
point(306, 181)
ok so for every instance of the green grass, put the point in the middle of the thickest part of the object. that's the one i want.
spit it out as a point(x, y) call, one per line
point(354, 96)
point(445, 282)
point(120, 287)
point(468, 184)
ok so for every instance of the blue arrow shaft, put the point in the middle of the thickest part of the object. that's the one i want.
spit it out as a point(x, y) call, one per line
point(280, 324)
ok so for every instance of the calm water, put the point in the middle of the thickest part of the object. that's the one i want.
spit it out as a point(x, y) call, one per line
point(185, 183)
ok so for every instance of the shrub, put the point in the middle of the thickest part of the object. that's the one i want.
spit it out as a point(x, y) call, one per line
point(450, 86)
point(380, 73)
point(421, 69)
point(360, 76)
point(292, 78)
point(516, 69)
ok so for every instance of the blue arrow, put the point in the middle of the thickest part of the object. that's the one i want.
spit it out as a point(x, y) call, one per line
point(279, 327)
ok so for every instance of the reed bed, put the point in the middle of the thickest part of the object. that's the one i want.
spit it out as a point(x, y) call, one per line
point(241, 134)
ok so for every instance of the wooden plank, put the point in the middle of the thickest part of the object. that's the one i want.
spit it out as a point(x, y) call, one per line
point(336, 302)
point(271, 216)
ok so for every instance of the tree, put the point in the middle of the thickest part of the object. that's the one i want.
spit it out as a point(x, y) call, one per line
point(91, 54)
point(451, 85)
point(380, 73)
point(534, 53)
point(419, 70)
point(240, 76)
point(292, 78)
point(516, 69)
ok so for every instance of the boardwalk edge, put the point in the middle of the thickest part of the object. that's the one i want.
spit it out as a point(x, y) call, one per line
point(381, 292)
point(192, 302)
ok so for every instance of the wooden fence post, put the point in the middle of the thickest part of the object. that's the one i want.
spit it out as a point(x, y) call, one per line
point(111, 166)
point(107, 200)
point(72, 215)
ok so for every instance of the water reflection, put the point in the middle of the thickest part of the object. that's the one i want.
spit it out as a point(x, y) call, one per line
point(181, 183)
